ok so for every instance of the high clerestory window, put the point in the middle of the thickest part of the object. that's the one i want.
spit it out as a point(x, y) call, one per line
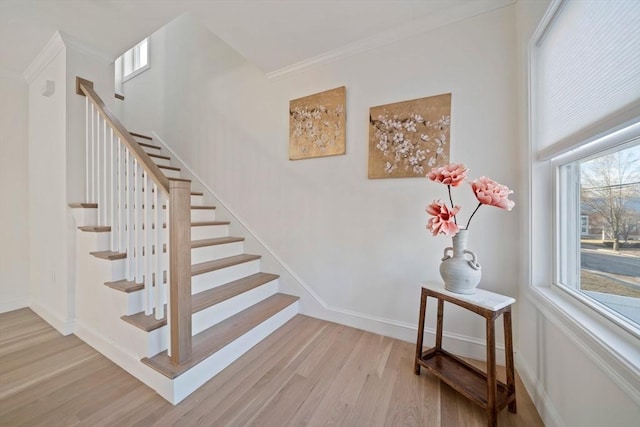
point(135, 60)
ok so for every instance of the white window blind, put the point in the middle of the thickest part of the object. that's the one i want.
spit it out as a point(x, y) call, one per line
point(587, 73)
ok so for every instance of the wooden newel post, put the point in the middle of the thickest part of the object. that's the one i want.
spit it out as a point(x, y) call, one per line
point(180, 267)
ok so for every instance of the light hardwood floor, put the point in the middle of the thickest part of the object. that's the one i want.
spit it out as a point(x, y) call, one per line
point(309, 372)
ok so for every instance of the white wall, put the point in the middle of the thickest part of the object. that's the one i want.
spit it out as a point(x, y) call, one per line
point(14, 209)
point(48, 240)
point(360, 244)
point(572, 378)
point(56, 171)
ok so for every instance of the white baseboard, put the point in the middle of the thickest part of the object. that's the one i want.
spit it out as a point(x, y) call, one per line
point(127, 361)
point(14, 304)
point(65, 327)
point(538, 394)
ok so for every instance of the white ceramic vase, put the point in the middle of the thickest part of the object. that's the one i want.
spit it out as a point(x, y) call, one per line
point(459, 268)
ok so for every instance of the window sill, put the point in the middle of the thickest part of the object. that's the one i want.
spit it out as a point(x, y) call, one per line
point(135, 73)
point(613, 349)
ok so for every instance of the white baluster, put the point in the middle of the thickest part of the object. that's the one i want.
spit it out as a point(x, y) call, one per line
point(129, 215)
point(168, 273)
point(136, 222)
point(146, 215)
point(112, 192)
point(93, 155)
point(157, 264)
point(121, 184)
point(97, 172)
point(139, 221)
point(103, 176)
point(86, 149)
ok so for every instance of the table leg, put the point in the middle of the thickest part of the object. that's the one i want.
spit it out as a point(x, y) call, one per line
point(423, 308)
point(439, 324)
point(508, 350)
point(492, 386)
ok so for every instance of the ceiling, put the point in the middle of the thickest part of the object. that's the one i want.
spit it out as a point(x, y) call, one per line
point(273, 34)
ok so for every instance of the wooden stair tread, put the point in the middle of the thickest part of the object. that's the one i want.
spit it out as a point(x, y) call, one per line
point(125, 286)
point(172, 168)
point(83, 205)
point(207, 266)
point(146, 322)
point(95, 228)
point(192, 207)
point(139, 135)
point(203, 300)
point(218, 336)
point(158, 156)
point(109, 255)
point(205, 223)
point(224, 292)
point(197, 193)
point(216, 241)
point(144, 144)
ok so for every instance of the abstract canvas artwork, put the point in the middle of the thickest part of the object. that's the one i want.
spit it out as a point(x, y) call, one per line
point(407, 139)
point(317, 125)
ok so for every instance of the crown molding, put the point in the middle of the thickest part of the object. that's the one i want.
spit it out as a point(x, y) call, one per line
point(413, 28)
point(78, 45)
point(53, 47)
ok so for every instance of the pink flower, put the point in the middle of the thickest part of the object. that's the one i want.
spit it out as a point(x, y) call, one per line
point(452, 174)
point(442, 221)
point(489, 192)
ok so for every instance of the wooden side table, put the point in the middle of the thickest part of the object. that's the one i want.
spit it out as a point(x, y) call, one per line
point(481, 388)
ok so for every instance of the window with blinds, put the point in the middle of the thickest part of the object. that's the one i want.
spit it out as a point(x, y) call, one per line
point(586, 73)
point(585, 122)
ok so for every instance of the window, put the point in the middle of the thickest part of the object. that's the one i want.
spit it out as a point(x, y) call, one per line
point(585, 135)
point(135, 60)
point(599, 260)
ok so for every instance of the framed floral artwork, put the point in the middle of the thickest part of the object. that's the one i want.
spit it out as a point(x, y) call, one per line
point(407, 139)
point(317, 125)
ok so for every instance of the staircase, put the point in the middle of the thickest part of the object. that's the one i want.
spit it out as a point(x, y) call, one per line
point(232, 304)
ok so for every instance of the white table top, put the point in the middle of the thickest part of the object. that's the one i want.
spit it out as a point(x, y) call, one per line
point(481, 298)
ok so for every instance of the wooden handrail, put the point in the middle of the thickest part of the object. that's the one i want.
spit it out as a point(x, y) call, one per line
point(178, 192)
point(85, 88)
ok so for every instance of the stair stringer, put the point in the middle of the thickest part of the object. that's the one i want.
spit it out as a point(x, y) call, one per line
point(99, 308)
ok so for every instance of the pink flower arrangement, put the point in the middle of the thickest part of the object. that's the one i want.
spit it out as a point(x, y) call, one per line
point(488, 192)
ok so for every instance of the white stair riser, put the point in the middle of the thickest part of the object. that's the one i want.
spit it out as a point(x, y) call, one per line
point(85, 216)
point(160, 162)
point(213, 279)
point(209, 232)
point(196, 200)
point(169, 173)
point(210, 253)
point(136, 300)
point(94, 241)
point(198, 215)
point(146, 344)
point(195, 377)
point(206, 318)
point(151, 150)
point(217, 313)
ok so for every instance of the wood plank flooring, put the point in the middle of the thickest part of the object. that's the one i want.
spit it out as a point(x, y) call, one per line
point(308, 373)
